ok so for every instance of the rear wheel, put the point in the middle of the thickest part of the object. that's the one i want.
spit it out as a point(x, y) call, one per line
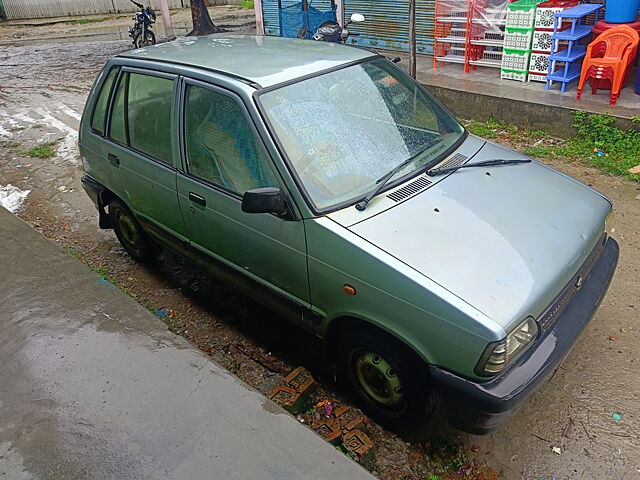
point(384, 379)
point(130, 234)
point(144, 39)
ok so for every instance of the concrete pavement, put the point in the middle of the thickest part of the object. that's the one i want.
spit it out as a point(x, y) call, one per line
point(94, 386)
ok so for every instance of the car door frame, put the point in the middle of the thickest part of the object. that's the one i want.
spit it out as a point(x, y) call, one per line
point(159, 231)
point(289, 306)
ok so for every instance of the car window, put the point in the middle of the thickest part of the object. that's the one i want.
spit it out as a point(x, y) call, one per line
point(149, 115)
point(117, 129)
point(100, 109)
point(141, 116)
point(222, 149)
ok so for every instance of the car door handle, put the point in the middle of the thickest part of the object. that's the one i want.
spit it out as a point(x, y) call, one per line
point(194, 197)
point(115, 161)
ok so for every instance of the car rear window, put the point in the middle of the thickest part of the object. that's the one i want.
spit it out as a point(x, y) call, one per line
point(100, 110)
point(141, 117)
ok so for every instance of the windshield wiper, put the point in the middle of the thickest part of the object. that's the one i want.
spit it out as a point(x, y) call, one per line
point(382, 181)
point(487, 163)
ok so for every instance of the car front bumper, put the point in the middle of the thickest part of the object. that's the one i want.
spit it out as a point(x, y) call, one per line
point(482, 407)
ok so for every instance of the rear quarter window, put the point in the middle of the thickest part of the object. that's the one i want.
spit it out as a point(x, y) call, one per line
point(100, 110)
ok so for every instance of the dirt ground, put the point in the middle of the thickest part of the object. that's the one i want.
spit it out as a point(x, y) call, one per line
point(114, 27)
point(584, 424)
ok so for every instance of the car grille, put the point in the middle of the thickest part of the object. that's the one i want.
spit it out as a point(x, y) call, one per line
point(561, 301)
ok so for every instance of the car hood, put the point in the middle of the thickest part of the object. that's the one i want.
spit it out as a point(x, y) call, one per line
point(504, 239)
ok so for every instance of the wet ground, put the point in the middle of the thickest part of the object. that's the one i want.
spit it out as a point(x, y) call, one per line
point(582, 425)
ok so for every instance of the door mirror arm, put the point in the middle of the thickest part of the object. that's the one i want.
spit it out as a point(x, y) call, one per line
point(266, 200)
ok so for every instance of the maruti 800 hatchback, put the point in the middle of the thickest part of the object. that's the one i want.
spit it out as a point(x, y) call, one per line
point(332, 187)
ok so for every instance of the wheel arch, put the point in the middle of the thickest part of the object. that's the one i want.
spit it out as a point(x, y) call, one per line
point(344, 323)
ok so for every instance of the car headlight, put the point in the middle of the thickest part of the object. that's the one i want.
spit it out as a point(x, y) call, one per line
point(500, 354)
point(608, 223)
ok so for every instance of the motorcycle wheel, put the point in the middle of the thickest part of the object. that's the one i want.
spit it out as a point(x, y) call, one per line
point(144, 39)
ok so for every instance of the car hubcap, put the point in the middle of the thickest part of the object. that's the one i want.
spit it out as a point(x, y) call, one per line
point(128, 230)
point(378, 379)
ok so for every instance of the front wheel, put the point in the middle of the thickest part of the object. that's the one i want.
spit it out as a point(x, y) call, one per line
point(384, 379)
point(144, 39)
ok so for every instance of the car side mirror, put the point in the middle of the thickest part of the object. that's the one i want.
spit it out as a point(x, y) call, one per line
point(357, 18)
point(264, 200)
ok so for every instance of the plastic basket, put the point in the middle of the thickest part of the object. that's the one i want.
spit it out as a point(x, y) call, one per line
point(522, 14)
point(542, 41)
point(516, 60)
point(544, 19)
point(539, 63)
point(518, 75)
point(518, 38)
point(537, 77)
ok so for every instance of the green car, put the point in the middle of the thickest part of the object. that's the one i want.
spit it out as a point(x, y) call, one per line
point(329, 185)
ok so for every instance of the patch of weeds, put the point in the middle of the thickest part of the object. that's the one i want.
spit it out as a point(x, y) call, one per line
point(607, 147)
point(37, 125)
point(82, 21)
point(247, 4)
point(598, 142)
point(43, 150)
point(74, 253)
point(488, 129)
point(13, 144)
point(346, 452)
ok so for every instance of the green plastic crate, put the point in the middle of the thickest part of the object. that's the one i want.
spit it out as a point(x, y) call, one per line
point(522, 14)
point(517, 60)
point(518, 38)
point(517, 75)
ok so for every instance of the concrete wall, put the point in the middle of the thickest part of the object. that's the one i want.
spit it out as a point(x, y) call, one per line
point(553, 119)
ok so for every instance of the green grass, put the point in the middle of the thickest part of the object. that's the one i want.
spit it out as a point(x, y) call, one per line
point(598, 142)
point(246, 4)
point(83, 21)
point(43, 150)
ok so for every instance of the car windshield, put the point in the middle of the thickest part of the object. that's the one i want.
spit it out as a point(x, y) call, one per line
point(343, 130)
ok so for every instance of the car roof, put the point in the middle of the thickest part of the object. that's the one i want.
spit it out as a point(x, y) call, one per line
point(266, 61)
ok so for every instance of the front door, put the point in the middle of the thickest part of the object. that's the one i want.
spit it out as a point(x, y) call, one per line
point(224, 157)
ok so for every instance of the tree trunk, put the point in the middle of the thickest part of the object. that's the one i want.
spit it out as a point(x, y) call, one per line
point(412, 38)
point(202, 24)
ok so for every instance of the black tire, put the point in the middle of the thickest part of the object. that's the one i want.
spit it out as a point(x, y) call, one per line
point(144, 39)
point(398, 399)
point(130, 234)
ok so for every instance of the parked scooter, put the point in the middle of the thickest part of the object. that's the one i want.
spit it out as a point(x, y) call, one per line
point(331, 31)
point(141, 31)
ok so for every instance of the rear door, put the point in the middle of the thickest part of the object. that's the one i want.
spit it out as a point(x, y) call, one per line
point(142, 150)
point(223, 158)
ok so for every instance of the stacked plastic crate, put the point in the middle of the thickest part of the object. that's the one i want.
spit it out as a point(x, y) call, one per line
point(542, 42)
point(485, 35)
point(517, 39)
point(450, 32)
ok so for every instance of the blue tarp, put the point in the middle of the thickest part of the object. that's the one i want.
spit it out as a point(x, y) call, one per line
point(298, 23)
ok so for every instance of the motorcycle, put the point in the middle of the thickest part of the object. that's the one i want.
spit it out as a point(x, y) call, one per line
point(141, 33)
point(331, 31)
